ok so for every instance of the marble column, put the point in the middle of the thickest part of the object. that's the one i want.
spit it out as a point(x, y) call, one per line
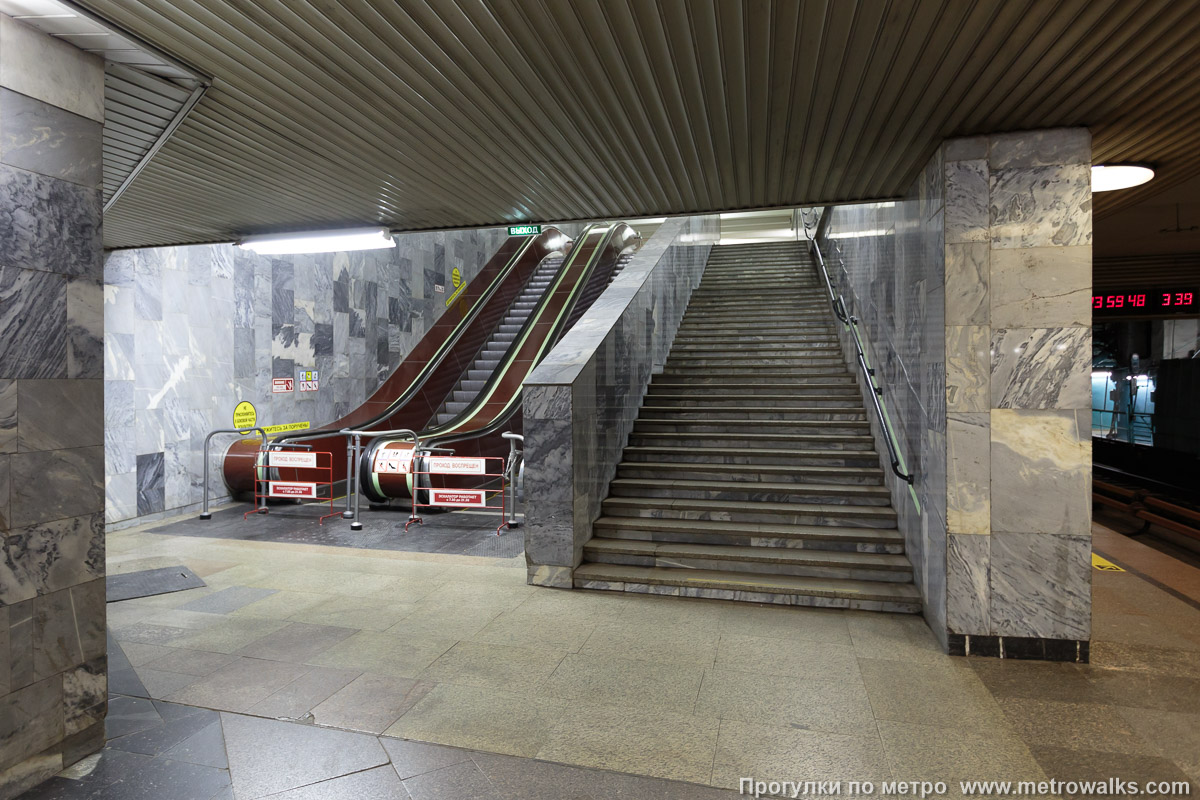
point(1018, 362)
point(52, 616)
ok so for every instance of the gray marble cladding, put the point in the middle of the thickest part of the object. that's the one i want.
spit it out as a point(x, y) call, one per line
point(582, 400)
point(1041, 368)
point(194, 330)
point(52, 610)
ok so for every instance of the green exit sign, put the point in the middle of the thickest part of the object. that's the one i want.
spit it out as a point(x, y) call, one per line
point(524, 230)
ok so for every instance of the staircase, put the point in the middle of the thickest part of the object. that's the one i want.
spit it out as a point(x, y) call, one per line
point(493, 351)
point(751, 473)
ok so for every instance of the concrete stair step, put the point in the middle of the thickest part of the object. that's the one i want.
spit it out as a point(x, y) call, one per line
point(761, 412)
point(841, 538)
point(750, 473)
point(753, 360)
point(862, 516)
point(824, 346)
point(798, 389)
point(845, 565)
point(740, 492)
point(752, 441)
point(720, 338)
point(738, 427)
point(702, 374)
point(749, 587)
point(758, 458)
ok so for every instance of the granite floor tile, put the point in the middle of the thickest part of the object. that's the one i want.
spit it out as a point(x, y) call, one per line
point(460, 780)
point(304, 694)
point(777, 753)
point(283, 605)
point(128, 715)
point(1136, 689)
point(190, 662)
point(669, 644)
point(901, 637)
point(512, 669)
point(1143, 658)
point(1175, 734)
point(383, 654)
point(832, 706)
point(1006, 678)
point(161, 738)
point(1139, 629)
point(379, 783)
point(444, 621)
point(481, 719)
point(297, 642)
point(608, 680)
point(205, 747)
point(653, 743)
point(417, 758)
point(535, 630)
point(105, 767)
point(370, 703)
point(227, 600)
point(160, 683)
point(928, 753)
point(140, 654)
point(823, 625)
point(240, 685)
point(143, 633)
point(794, 658)
point(360, 613)
point(1078, 726)
point(1064, 764)
point(185, 782)
point(228, 635)
point(924, 694)
point(525, 778)
point(267, 756)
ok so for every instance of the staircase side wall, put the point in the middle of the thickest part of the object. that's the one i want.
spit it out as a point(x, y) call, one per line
point(580, 404)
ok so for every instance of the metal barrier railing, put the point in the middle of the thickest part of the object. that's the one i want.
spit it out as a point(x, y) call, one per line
point(851, 322)
point(513, 473)
point(204, 513)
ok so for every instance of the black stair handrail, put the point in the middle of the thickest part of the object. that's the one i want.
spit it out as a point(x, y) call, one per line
point(851, 322)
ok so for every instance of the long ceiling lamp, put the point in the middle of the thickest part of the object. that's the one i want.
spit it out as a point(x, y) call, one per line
point(334, 241)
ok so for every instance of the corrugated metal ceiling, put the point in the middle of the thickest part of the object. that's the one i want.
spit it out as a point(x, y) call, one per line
point(454, 113)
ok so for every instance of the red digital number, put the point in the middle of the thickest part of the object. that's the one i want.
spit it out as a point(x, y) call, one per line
point(1097, 301)
point(1187, 298)
point(1166, 300)
point(1137, 300)
point(1115, 301)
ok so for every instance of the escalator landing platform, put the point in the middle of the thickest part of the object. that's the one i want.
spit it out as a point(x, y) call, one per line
point(464, 533)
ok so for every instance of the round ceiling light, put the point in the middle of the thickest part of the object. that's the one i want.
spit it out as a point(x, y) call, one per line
point(1108, 177)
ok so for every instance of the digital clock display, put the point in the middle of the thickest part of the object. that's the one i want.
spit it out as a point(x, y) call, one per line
point(1151, 301)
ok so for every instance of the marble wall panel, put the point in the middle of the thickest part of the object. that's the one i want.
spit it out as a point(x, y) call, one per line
point(56, 484)
point(34, 720)
point(1040, 585)
point(1041, 466)
point(1048, 206)
point(85, 329)
point(1041, 287)
point(968, 276)
point(967, 367)
point(44, 558)
point(33, 322)
point(968, 584)
point(45, 139)
point(5, 494)
point(1044, 148)
point(1041, 368)
point(54, 226)
point(968, 466)
point(60, 414)
point(966, 201)
point(8, 416)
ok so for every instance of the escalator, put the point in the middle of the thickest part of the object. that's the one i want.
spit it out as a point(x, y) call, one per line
point(416, 389)
point(487, 401)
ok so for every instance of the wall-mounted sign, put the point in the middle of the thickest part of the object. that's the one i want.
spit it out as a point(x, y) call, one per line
point(283, 458)
point(524, 230)
point(448, 465)
point(461, 498)
point(244, 415)
point(1146, 302)
point(456, 277)
point(282, 385)
point(439, 288)
point(292, 489)
point(393, 462)
point(310, 380)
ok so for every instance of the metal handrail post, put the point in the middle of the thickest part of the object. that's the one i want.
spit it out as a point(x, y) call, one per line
point(204, 513)
point(355, 525)
point(511, 470)
point(355, 451)
point(348, 514)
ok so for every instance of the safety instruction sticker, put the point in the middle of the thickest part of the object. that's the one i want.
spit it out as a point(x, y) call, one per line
point(310, 380)
point(286, 427)
point(278, 458)
point(292, 489)
point(393, 462)
point(448, 465)
point(1104, 564)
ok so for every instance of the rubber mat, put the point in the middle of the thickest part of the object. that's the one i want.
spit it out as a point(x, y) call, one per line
point(149, 582)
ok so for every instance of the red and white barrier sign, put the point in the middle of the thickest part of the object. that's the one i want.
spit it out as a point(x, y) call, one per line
point(277, 458)
point(292, 489)
point(281, 385)
point(448, 465)
point(460, 498)
point(393, 462)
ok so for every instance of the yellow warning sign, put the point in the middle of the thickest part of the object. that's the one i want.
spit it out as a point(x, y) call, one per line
point(456, 277)
point(1104, 564)
point(286, 427)
point(244, 415)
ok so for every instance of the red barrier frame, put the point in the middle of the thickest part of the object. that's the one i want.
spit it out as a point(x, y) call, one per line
point(262, 479)
point(487, 494)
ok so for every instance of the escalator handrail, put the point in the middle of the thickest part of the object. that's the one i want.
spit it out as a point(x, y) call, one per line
point(431, 366)
point(851, 322)
point(484, 395)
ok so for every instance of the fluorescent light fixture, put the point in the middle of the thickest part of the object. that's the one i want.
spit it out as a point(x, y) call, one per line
point(858, 234)
point(1108, 177)
point(1101, 374)
point(319, 241)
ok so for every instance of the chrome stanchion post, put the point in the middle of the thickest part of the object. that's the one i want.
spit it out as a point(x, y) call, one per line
point(204, 512)
point(350, 464)
point(356, 525)
point(512, 474)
